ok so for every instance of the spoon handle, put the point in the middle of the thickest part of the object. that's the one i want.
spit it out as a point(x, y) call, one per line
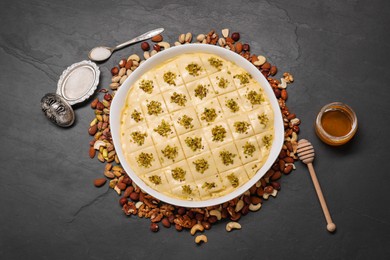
point(142, 37)
point(331, 226)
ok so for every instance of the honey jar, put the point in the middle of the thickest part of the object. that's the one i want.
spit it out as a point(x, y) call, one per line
point(336, 124)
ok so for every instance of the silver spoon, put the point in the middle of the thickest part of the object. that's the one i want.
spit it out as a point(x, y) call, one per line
point(102, 53)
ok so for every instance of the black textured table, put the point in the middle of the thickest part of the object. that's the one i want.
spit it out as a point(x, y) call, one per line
point(336, 50)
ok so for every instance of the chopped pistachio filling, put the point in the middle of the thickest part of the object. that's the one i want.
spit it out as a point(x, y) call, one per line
point(227, 157)
point(254, 97)
point(208, 185)
point(249, 149)
point(155, 179)
point(201, 91)
point(154, 108)
point(170, 77)
point(232, 105)
point(163, 129)
point(146, 86)
point(170, 152)
point(138, 137)
point(193, 69)
point(179, 174)
point(185, 121)
point(186, 189)
point(145, 160)
point(194, 143)
point(223, 83)
point(233, 180)
point(136, 116)
point(209, 114)
point(201, 165)
point(243, 78)
point(267, 141)
point(263, 118)
point(215, 62)
point(179, 99)
point(241, 126)
point(219, 133)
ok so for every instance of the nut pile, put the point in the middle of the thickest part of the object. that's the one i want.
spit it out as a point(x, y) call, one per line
point(135, 202)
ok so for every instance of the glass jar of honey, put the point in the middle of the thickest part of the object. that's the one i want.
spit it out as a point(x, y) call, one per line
point(336, 124)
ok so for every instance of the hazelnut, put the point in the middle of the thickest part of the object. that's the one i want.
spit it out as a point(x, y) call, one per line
point(206, 225)
point(122, 201)
point(122, 63)
point(134, 196)
point(245, 47)
point(157, 47)
point(268, 189)
point(273, 70)
point(235, 36)
point(145, 46)
point(276, 185)
point(114, 71)
point(178, 227)
point(154, 227)
point(266, 66)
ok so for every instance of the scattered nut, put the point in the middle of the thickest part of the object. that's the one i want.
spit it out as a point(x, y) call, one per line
point(222, 42)
point(165, 45)
point(232, 225)
point(122, 63)
point(225, 33)
point(114, 71)
point(197, 227)
point(200, 37)
point(134, 57)
point(235, 36)
point(182, 38)
point(188, 37)
point(216, 213)
point(153, 52)
point(157, 38)
point(145, 46)
point(255, 207)
point(146, 55)
point(154, 227)
point(200, 238)
point(240, 204)
point(99, 182)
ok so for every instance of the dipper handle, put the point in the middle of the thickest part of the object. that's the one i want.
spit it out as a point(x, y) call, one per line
point(306, 155)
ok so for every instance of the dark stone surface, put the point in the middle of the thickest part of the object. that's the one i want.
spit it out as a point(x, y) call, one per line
point(336, 50)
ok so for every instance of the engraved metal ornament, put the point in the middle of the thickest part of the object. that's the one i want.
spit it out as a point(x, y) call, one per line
point(57, 110)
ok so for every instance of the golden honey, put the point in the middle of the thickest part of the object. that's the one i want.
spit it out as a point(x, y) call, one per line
point(336, 124)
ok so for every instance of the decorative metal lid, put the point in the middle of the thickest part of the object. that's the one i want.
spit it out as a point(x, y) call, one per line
point(78, 82)
point(57, 110)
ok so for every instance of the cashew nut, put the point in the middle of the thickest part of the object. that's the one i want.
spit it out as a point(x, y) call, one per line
point(196, 227)
point(99, 143)
point(200, 238)
point(247, 193)
point(258, 184)
point(254, 207)
point(232, 225)
point(133, 57)
point(153, 52)
point(274, 193)
point(165, 45)
point(239, 206)
point(216, 213)
point(283, 84)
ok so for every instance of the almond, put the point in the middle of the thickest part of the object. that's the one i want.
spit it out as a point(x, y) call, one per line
point(288, 169)
point(157, 38)
point(238, 47)
point(283, 94)
point(92, 152)
point(94, 103)
point(92, 130)
point(99, 182)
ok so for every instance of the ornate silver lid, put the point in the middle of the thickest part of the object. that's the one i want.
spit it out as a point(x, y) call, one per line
point(78, 82)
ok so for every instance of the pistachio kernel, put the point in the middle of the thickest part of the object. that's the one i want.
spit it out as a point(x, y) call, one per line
point(193, 69)
point(154, 108)
point(170, 77)
point(208, 185)
point(194, 143)
point(163, 129)
point(139, 137)
point(145, 159)
point(216, 63)
point(249, 149)
point(170, 152)
point(185, 121)
point(263, 119)
point(209, 115)
point(186, 189)
point(267, 141)
point(146, 86)
point(179, 99)
point(201, 91)
point(223, 83)
point(254, 97)
point(155, 179)
point(226, 157)
point(234, 181)
point(243, 78)
point(136, 116)
point(218, 133)
point(201, 165)
point(232, 105)
point(178, 174)
point(241, 127)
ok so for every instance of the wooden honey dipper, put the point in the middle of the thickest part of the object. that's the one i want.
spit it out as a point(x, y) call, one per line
point(306, 155)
